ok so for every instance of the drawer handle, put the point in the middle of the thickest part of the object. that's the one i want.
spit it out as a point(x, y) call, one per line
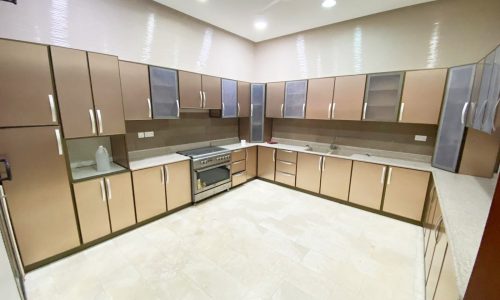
point(287, 151)
point(239, 174)
point(286, 163)
point(286, 174)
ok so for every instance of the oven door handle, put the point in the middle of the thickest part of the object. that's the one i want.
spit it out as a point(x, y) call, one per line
point(227, 165)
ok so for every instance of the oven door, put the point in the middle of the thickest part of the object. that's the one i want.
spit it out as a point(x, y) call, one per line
point(208, 178)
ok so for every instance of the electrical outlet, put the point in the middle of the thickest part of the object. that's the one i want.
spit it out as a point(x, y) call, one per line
point(149, 134)
point(140, 135)
point(421, 138)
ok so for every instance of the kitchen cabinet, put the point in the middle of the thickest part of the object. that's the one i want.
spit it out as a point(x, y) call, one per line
point(199, 91)
point(238, 155)
point(238, 166)
point(405, 192)
point(433, 235)
point(106, 89)
point(286, 167)
point(480, 92)
point(367, 184)
point(238, 179)
point(382, 97)
point(120, 199)
point(149, 192)
point(251, 162)
point(257, 108)
point(287, 156)
point(229, 98)
point(164, 93)
point(437, 261)
point(26, 89)
point(178, 184)
point(275, 99)
point(319, 98)
point(422, 96)
point(285, 178)
point(336, 177)
point(39, 196)
point(243, 99)
point(474, 98)
point(490, 122)
point(135, 91)
point(428, 221)
point(446, 288)
point(295, 99)
point(452, 125)
point(266, 163)
point(348, 97)
point(211, 92)
point(309, 172)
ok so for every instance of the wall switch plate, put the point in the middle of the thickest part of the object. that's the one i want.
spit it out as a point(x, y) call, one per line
point(140, 135)
point(421, 138)
point(149, 134)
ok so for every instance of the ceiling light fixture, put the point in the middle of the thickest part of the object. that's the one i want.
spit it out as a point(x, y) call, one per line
point(329, 3)
point(260, 24)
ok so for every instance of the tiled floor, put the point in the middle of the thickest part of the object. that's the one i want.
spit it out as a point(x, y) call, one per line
point(259, 241)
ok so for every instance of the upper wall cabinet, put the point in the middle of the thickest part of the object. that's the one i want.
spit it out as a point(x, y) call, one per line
point(382, 97)
point(135, 91)
point(275, 99)
point(493, 97)
point(319, 98)
point(212, 92)
point(243, 99)
point(164, 93)
point(257, 106)
point(295, 99)
point(229, 98)
point(481, 87)
point(199, 91)
point(348, 97)
point(422, 96)
point(26, 90)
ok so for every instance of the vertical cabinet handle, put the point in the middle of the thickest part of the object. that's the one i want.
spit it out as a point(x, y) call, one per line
point(401, 111)
point(494, 117)
point(389, 176)
point(238, 109)
point(319, 163)
point(251, 110)
point(333, 111)
point(150, 112)
point(201, 99)
point(103, 192)
point(178, 108)
point(364, 110)
point(99, 120)
point(464, 109)
point(330, 110)
point(274, 155)
point(167, 174)
point(162, 173)
point(10, 230)
point(383, 175)
point(282, 115)
point(108, 188)
point(323, 167)
point(223, 109)
point(303, 109)
point(246, 154)
point(59, 143)
point(52, 108)
point(204, 99)
point(92, 121)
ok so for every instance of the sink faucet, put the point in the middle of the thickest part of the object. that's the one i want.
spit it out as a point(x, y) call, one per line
point(308, 148)
point(333, 146)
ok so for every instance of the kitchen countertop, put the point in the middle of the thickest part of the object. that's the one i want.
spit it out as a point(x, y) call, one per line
point(88, 172)
point(154, 161)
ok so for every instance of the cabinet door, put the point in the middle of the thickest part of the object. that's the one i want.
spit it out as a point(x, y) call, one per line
point(493, 97)
point(382, 97)
point(164, 93)
point(251, 161)
point(243, 99)
point(178, 184)
point(451, 128)
point(229, 98)
point(429, 217)
point(135, 91)
point(422, 96)
point(120, 201)
point(149, 192)
point(90, 197)
point(295, 99)
point(26, 92)
point(447, 285)
point(367, 184)
point(257, 112)
point(309, 172)
point(482, 81)
point(106, 88)
point(212, 92)
point(405, 192)
point(336, 177)
point(437, 263)
point(238, 155)
point(433, 235)
point(39, 196)
point(190, 93)
point(319, 98)
point(266, 163)
point(275, 99)
point(348, 97)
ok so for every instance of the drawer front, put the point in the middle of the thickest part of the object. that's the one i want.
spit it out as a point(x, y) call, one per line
point(286, 167)
point(238, 166)
point(285, 178)
point(239, 178)
point(238, 155)
point(285, 155)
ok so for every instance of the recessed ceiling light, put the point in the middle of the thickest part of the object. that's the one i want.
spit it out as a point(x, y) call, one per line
point(260, 24)
point(329, 3)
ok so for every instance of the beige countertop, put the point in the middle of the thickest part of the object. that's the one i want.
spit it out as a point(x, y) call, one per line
point(87, 172)
point(154, 161)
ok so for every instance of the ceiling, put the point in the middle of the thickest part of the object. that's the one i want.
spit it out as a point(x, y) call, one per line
point(283, 16)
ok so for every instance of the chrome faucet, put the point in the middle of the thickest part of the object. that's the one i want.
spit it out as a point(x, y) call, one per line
point(333, 146)
point(308, 148)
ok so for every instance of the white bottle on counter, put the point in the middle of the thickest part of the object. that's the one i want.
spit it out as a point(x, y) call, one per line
point(102, 159)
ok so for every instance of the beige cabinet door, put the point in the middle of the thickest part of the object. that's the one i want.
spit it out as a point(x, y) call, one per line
point(437, 263)
point(286, 155)
point(275, 99)
point(120, 201)
point(212, 92)
point(238, 179)
point(422, 96)
point(135, 91)
point(243, 99)
point(367, 184)
point(405, 192)
point(106, 88)
point(428, 222)
point(251, 161)
point(266, 163)
point(447, 285)
point(285, 178)
point(319, 98)
point(238, 155)
point(178, 184)
point(433, 235)
point(26, 91)
point(238, 166)
point(190, 93)
point(39, 195)
point(309, 172)
point(74, 93)
point(90, 197)
point(149, 192)
point(348, 97)
point(336, 177)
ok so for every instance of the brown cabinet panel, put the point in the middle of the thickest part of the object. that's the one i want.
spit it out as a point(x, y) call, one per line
point(238, 155)
point(367, 184)
point(39, 195)
point(286, 167)
point(285, 178)
point(90, 197)
point(251, 161)
point(178, 184)
point(120, 201)
point(275, 99)
point(437, 263)
point(436, 223)
point(422, 96)
point(319, 98)
point(26, 89)
point(429, 217)
point(106, 88)
point(266, 163)
point(238, 179)
point(309, 172)
point(190, 93)
point(286, 155)
point(212, 92)
point(238, 166)
point(243, 99)
point(447, 285)
point(135, 91)
point(336, 177)
point(405, 192)
point(74, 93)
point(348, 97)
point(149, 192)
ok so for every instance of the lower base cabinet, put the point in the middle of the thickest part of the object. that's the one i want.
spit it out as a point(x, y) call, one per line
point(446, 288)
point(285, 178)
point(178, 184)
point(367, 184)
point(238, 178)
point(336, 177)
point(266, 163)
point(120, 201)
point(251, 162)
point(149, 192)
point(309, 172)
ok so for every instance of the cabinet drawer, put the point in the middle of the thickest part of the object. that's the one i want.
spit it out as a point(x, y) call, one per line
point(238, 155)
point(286, 167)
point(285, 178)
point(238, 166)
point(286, 155)
point(239, 178)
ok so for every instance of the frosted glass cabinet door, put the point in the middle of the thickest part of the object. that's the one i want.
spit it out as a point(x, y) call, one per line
point(229, 98)
point(257, 106)
point(451, 128)
point(382, 97)
point(493, 96)
point(486, 70)
point(164, 93)
point(295, 99)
